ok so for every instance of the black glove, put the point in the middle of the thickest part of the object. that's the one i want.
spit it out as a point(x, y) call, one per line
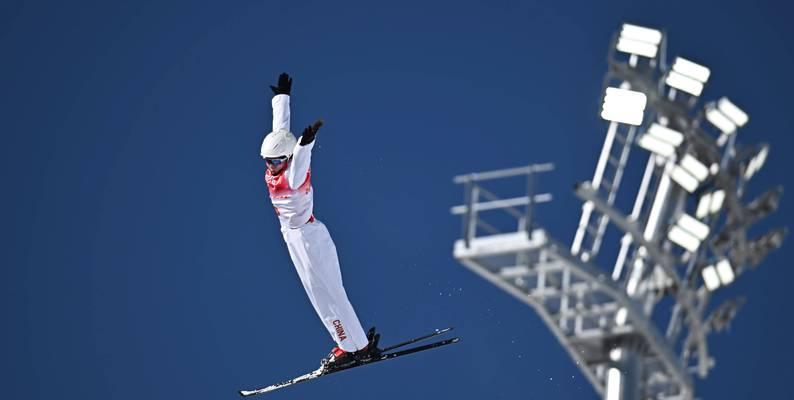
point(284, 85)
point(310, 132)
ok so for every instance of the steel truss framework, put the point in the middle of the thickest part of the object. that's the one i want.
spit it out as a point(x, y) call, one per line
point(605, 319)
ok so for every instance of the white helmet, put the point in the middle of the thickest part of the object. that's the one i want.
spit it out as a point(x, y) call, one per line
point(278, 144)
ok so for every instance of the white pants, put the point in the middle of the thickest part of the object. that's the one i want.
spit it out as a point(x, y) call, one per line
point(314, 255)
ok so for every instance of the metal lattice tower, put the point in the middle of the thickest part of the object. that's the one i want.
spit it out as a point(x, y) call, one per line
point(640, 329)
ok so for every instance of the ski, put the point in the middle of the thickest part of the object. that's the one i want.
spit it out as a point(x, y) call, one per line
point(305, 377)
point(383, 356)
point(420, 338)
point(388, 356)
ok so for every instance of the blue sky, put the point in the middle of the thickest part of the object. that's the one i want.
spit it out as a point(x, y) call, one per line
point(142, 258)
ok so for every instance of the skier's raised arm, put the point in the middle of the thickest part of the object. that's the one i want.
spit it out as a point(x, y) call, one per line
point(280, 103)
point(302, 155)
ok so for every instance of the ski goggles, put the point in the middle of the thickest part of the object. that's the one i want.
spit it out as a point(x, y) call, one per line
point(276, 161)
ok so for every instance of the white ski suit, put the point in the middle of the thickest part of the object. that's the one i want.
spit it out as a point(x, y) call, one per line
point(310, 245)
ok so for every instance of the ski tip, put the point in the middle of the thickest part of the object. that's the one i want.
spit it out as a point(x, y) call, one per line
point(245, 393)
point(440, 331)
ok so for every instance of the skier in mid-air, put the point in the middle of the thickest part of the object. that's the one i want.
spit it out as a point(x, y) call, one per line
point(288, 178)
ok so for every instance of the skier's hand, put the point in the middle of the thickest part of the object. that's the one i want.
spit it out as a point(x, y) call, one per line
point(310, 132)
point(284, 85)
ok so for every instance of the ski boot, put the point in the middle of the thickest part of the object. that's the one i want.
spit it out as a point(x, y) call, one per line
point(371, 350)
point(338, 358)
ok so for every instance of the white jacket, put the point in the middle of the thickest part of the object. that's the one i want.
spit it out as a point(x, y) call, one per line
point(291, 191)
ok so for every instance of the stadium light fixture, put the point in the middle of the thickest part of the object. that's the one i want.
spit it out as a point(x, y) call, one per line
point(688, 232)
point(624, 106)
point(693, 226)
point(661, 140)
point(687, 76)
point(639, 41)
point(726, 116)
point(689, 173)
point(710, 203)
point(725, 272)
point(756, 162)
point(719, 274)
point(759, 248)
point(710, 278)
point(722, 317)
point(730, 110)
point(691, 69)
point(673, 253)
point(718, 119)
point(764, 205)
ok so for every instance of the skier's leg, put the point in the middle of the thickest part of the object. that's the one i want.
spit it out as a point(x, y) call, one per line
point(314, 254)
point(335, 301)
point(296, 244)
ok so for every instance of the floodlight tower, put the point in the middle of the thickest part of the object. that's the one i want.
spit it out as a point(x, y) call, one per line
point(638, 330)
